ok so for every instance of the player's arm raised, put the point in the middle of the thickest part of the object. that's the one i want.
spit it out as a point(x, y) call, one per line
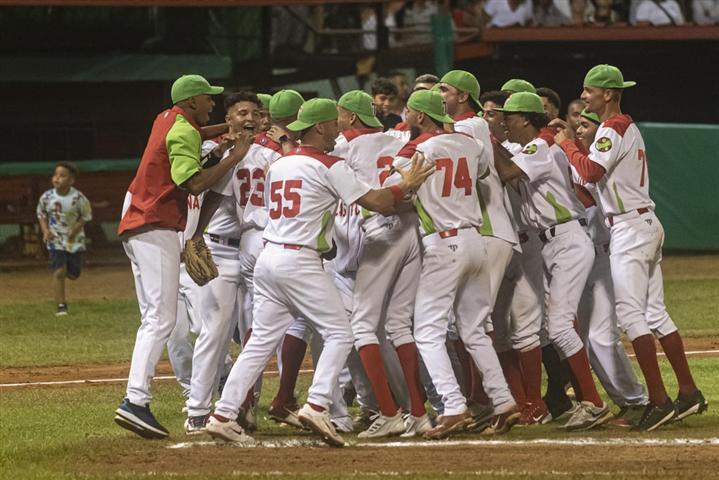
point(205, 178)
point(384, 200)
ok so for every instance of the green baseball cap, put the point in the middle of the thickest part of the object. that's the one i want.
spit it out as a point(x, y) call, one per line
point(464, 82)
point(190, 86)
point(606, 76)
point(360, 103)
point(591, 116)
point(285, 103)
point(265, 99)
point(312, 112)
point(516, 85)
point(431, 103)
point(523, 102)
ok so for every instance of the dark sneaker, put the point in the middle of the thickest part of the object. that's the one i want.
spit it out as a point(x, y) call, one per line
point(559, 408)
point(364, 418)
point(694, 404)
point(655, 416)
point(139, 420)
point(481, 416)
point(248, 418)
point(61, 310)
point(503, 422)
point(196, 425)
point(628, 416)
point(286, 414)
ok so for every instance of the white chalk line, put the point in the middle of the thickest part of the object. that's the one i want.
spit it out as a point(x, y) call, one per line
point(109, 380)
point(582, 441)
point(272, 372)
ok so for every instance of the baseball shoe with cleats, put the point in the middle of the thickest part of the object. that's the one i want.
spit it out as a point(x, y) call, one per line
point(196, 425)
point(628, 416)
point(448, 424)
point(226, 430)
point(559, 408)
point(694, 404)
point(139, 420)
point(343, 424)
point(533, 413)
point(503, 422)
point(61, 310)
point(248, 418)
point(384, 427)
point(286, 414)
point(364, 419)
point(655, 416)
point(320, 423)
point(588, 416)
point(415, 426)
point(481, 416)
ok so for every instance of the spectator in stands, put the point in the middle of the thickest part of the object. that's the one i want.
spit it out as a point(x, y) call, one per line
point(468, 14)
point(425, 82)
point(508, 13)
point(547, 14)
point(400, 81)
point(383, 97)
point(574, 111)
point(659, 13)
point(62, 212)
point(551, 101)
point(419, 15)
point(706, 12)
point(604, 13)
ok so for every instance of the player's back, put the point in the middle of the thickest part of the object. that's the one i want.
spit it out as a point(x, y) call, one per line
point(370, 153)
point(448, 199)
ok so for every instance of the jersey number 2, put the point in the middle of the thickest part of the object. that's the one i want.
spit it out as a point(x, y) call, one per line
point(257, 176)
point(460, 178)
point(643, 159)
point(282, 194)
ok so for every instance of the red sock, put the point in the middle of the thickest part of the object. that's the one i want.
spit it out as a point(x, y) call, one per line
point(579, 364)
point(531, 363)
point(509, 361)
point(409, 360)
point(247, 337)
point(466, 362)
point(293, 353)
point(674, 350)
point(374, 367)
point(316, 407)
point(646, 352)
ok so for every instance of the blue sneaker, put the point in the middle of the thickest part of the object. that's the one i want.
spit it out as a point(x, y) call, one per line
point(139, 420)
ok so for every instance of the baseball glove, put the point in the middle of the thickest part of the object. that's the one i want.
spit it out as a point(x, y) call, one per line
point(198, 261)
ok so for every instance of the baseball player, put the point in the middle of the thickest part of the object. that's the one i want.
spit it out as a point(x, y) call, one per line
point(597, 315)
point(542, 176)
point(454, 272)
point(515, 85)
point(302, 194)
point(265, 118)
point(617, 163)
point(155, 209)
point(219, 299)
point(62, 213)
point(388, 271)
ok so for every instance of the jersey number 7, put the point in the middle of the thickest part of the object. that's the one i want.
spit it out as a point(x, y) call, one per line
point(459, 178)
point(283, 193)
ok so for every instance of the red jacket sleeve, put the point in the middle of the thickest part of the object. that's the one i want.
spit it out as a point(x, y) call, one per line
point(590, 171)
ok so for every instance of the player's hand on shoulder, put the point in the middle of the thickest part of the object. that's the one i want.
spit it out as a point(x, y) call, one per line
point(564, 132)
point(417, 172)
point(276, 133)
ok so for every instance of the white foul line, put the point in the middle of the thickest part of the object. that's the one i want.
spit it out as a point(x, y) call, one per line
point(108, 380)
point(271, 372)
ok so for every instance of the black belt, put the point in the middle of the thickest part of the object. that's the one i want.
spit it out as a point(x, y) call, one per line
point(232, 242)
point(543, 235)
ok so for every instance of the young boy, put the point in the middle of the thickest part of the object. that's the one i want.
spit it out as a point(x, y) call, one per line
point(62, 212)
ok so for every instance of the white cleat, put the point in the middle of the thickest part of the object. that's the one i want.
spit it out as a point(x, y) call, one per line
point(588, 416)
point(320, 423)
point(384, 427)
point(228, 431)
point(416, 426)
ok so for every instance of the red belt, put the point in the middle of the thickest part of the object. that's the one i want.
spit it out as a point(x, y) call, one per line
point(640, 211)
point(448, 233)
point(290, 246)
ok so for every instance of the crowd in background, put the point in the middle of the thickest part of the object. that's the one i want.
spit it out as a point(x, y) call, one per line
point(409, 22)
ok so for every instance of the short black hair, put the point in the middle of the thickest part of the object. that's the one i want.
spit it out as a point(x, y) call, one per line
point(426, 78)
point(71, 167)
point(576, 100)
point(537, 120)
point(550, 95)
point(242, 96)
point(494, 96)
point(383, 86)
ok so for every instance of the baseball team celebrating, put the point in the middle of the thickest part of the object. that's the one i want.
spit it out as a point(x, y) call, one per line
point(445, 260)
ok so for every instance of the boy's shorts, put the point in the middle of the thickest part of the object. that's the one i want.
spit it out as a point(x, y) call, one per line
point(71, 262)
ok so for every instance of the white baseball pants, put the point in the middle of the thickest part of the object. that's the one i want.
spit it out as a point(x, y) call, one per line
point(155, 260)
point(499, 254)
point(455, 276)
point(290, 282)
point(181, 344)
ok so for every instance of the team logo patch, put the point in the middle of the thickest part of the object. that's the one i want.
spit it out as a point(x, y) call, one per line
point(530, 149)
point(604, 144)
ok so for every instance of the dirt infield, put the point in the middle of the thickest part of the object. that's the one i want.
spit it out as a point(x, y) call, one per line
point(573, 461)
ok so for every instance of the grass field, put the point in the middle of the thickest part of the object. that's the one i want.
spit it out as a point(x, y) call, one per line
point(67, 432)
